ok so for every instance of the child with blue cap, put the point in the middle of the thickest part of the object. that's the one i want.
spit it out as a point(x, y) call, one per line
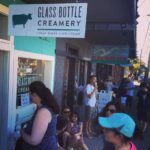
point(118, 130)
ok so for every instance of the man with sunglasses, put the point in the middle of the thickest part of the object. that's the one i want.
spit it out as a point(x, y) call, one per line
point(66, 112)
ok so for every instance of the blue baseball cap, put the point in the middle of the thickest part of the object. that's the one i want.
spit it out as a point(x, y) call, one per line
point(120, 121)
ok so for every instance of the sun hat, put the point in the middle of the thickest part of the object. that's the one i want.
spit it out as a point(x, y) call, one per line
point(120, 121)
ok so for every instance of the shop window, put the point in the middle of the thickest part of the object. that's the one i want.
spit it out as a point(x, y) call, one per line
point(4, 27)
point(30, 70)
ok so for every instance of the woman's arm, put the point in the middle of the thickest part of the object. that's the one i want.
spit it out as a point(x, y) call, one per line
point(40, 124)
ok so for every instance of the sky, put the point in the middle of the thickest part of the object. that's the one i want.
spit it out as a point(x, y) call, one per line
point(142, 28)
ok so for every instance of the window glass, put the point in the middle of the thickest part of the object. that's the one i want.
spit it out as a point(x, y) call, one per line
point(29, 70)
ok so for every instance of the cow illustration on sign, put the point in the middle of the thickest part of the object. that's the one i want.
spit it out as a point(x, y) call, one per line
point(21, 19)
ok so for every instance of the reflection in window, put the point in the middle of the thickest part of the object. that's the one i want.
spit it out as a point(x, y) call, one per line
point(29, 70)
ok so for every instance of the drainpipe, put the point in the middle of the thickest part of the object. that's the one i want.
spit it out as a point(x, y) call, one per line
point(147, 70)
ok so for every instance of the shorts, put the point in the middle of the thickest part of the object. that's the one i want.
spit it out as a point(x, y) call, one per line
point(88, 112)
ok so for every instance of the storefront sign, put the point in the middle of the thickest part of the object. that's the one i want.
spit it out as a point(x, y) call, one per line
point(48, 20)
point(110, 54)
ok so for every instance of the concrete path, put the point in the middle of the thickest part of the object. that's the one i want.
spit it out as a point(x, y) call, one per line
point(95, 143)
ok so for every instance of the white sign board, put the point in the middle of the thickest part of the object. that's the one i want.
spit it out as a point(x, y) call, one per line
point(25, 99)
point(48, 20)
point(104, 98)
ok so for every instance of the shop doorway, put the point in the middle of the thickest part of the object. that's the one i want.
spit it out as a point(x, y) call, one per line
point(103, 71)
point(70, 76)
point(4, 86)
point(76, 75)
point(71, 82)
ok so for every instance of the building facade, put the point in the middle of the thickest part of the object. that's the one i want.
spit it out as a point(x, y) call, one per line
point(73, 68)
point(64, 65)
point(22, 61)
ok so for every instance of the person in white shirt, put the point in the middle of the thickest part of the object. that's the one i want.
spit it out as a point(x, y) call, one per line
point(90, 102)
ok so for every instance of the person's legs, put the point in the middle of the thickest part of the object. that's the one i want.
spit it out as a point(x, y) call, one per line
point(66, 137)
point(75, 142)
point(90, 127)
point(91, 120)
point(82, 144)
point(87, 128)
point(123, 101)
point(129, 101)
point(87, 120)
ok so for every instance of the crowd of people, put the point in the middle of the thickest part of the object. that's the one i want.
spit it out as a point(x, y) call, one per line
point(50, 129)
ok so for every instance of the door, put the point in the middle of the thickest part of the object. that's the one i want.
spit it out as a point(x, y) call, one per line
point(4, 81)
point(71, 82)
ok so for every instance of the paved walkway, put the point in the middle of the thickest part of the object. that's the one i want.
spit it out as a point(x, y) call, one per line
point(94, 143)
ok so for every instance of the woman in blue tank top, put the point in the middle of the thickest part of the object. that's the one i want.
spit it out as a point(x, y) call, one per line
point(40, 133)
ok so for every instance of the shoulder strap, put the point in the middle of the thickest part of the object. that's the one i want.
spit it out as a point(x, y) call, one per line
point(132, 146)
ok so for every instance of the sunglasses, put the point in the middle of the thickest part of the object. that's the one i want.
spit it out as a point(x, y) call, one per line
point(111, 110)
